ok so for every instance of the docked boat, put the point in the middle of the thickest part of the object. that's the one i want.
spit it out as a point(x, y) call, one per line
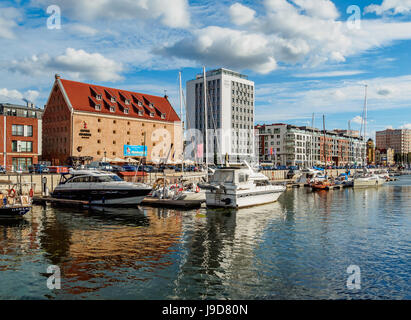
point(15, 202)
point(321, 185)
point(368, 179)
point(240, 186)
point(100, 188)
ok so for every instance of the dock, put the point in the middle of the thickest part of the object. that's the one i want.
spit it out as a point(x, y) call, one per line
point(166, 203)
point(150, 202)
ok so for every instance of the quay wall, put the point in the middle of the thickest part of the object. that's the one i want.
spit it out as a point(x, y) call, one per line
point(7, 180)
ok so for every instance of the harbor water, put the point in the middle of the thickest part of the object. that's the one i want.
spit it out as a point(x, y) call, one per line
point(297, 248)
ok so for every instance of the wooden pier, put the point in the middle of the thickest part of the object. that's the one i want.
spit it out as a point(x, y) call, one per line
point(151, 202)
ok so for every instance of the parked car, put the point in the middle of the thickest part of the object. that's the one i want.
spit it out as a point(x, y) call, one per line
point(129, 168)
point(38, 168)
point(98, 165)
point(117, 168)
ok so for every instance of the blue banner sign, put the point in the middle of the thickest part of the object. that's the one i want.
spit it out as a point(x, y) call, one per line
point(135, 151)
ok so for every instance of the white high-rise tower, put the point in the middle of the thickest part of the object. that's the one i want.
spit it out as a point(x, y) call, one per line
point(230, 100)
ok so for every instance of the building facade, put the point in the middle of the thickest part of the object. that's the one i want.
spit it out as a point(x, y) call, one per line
point(84, 122)
point(21, 127)
point(230, 114)
point(397, 139)
point(370, 151)
point(385, 157)
point(289, 145)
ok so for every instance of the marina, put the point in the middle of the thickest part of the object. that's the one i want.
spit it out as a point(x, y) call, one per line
point(296, 248)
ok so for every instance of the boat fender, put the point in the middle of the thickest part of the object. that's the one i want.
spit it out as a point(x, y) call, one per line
point(12, 193)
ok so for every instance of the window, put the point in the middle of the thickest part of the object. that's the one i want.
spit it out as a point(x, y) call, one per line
point(113, 99)
point(163, 116)
point(112, 109)
point(127, 102)
point(98, 108)
point(22, 146)
point(140, 113)
point(98, 97)
point(126, 110)
point(152, 114)
point(17, 130)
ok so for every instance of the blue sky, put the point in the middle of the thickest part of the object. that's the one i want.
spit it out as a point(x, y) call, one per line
point(305, 56)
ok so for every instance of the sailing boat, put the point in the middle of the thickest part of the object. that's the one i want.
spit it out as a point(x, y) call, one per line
point(366, 178)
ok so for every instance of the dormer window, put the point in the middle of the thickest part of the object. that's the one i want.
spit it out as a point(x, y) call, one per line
point(140, 104)
point(140, 113)
point(99, 97)
point(98, 107)
point(112, 109)
point(126, 110)
point(151, 106)
point(152, 114)
point(113, 99)
point(163, 116)
point(127, 102)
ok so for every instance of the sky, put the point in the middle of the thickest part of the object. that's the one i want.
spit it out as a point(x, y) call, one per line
point(305, 56)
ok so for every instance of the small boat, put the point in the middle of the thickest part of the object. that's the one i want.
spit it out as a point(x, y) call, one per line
point(15, 203)
point(239, 187)
point(367, 179)
point(321, 185)
point(100, 188)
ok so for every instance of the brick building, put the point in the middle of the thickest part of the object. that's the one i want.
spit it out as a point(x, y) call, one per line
point(84, 122)
point(21, 128)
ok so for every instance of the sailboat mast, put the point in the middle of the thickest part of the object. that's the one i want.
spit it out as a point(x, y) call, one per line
point(325, 156)
point(365, 124)
point(181, 119)
point(205, 118)
point(312, 141)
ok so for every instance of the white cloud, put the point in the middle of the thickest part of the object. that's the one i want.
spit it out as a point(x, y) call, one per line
point(8, 18)
point(390, 7)
point(240, 14)
point(78, 64)
point(406, 126)
point(174, 14)
point(357, 119)
point(305, 32)
point(83, 29)
point(226, 47)
point(16, 96)
point(329, 74)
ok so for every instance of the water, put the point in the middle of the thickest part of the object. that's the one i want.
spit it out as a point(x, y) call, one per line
point(297, 248)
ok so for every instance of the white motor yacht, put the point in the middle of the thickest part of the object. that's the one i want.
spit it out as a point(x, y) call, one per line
point(238, 187)
point(367, 179)
point(100, 188)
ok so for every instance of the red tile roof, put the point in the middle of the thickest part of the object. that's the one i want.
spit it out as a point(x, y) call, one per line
point(82, 97)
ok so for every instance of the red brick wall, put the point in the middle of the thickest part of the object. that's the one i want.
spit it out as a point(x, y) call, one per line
point(56, 129)
point(10, 120)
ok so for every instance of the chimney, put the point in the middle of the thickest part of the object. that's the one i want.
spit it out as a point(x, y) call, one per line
point(57, 76)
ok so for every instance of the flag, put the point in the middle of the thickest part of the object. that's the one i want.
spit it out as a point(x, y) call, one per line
point(199, 150)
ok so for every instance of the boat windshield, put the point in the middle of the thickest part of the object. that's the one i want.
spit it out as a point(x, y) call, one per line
point(105, 178)
point(223, 177)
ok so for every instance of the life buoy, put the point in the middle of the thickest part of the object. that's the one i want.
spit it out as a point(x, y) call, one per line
point(12, 193)
point(31, 193)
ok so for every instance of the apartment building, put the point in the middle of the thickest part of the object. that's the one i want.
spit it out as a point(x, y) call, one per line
point(230, 114)
point(21, 128)
point(290, 145)
point(84, 122)
point(397, 139)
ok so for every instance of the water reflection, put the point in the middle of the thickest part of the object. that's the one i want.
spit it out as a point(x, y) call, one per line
point(298, 247)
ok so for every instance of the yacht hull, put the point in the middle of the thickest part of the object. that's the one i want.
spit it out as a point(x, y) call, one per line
point(242, 199)
point(364, 183)
point(104, 196)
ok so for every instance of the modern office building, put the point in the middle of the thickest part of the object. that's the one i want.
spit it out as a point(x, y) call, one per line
point(397, 139)
point(21, 127)
point(384, 157)
point(230, 114)
point(289, 145)
point(84, 122)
